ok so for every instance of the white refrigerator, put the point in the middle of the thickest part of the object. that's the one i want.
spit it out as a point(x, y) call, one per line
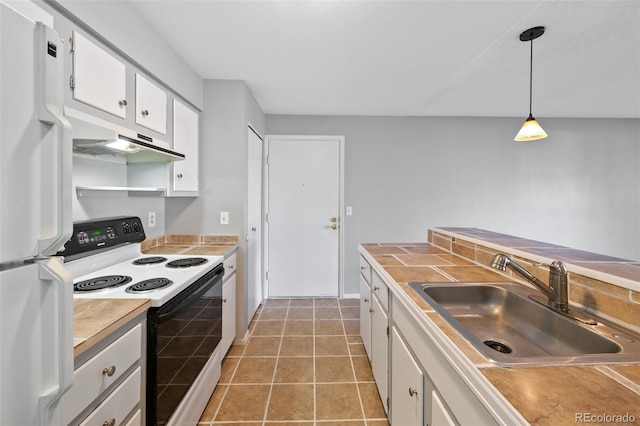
point(36, 293)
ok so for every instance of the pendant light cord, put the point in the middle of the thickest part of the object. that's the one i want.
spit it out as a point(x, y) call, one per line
point(531, 79)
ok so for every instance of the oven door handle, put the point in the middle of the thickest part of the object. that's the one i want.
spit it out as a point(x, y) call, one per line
point(163, 316)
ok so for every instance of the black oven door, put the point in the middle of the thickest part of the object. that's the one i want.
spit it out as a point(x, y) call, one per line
point(181, 336)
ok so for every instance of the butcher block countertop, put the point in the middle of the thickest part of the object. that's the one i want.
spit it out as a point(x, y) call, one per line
point(95, 319)
point(550, 395)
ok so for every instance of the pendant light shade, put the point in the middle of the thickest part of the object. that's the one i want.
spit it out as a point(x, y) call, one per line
point(531, 129)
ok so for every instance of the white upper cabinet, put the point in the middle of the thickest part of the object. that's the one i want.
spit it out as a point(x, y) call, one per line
point(151, 105)
point(99, 78)
point(184, 174)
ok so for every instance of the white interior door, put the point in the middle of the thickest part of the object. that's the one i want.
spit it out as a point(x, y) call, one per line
point(304, 203)
point(254, 233)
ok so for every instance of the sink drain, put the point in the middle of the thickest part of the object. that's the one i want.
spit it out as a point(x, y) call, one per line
point(498, 346)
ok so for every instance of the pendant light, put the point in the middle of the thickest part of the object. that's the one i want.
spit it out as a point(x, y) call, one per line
point(531, 130)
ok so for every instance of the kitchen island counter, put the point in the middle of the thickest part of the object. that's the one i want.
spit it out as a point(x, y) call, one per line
point(550, 395)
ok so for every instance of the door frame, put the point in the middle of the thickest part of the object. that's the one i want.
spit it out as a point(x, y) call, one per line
point(341, 215)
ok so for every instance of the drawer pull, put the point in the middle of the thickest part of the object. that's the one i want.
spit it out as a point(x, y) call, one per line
point(230, 267)
point(109, 371)
point(376, 288)
point(362, 268)
point(122, 102)
point(111, 422)
point(370, 310)
point(412, 392)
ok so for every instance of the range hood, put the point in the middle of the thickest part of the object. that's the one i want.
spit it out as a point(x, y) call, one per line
point(100, 138)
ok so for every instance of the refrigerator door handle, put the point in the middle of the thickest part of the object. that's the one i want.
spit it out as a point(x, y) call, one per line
point(49, 65)
point(53, 270)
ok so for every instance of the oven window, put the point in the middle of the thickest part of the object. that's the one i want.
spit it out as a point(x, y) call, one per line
point(184, 343)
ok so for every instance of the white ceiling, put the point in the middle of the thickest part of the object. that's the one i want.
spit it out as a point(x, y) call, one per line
point(414, 58)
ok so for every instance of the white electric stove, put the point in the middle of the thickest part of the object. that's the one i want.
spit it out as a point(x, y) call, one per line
point(184, 322)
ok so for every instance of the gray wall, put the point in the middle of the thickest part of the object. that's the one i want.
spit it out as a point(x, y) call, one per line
point(579, 188)
point(229, 107)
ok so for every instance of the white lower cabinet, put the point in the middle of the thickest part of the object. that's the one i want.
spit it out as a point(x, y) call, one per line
point(407, 379)
point(108, 383)
point(442, 396)
point(228, 305)
point(380, 349)
point(365, 315)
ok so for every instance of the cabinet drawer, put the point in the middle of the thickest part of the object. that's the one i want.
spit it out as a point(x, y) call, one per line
point(92, 378)
point(380, 289)
point(365, 269)
point(229, 266)
point(120, 403)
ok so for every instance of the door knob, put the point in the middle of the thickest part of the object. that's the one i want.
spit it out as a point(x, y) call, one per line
point(334, 220)
point(334, 226)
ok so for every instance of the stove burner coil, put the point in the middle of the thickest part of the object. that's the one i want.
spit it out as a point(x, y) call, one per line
point(100, 283)
point(149, 285)
point(186, 262)
point(152, 260)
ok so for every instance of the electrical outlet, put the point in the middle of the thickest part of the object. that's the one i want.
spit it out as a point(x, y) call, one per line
point(152, 219)
point(349, 211)
point(224, 218)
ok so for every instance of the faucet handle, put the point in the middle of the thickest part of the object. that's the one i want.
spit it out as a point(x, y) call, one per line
point(556, 266)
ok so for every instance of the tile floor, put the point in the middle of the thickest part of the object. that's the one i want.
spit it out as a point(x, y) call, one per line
point(304, 364)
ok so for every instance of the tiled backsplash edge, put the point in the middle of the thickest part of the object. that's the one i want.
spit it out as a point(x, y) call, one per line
point(618, 304)
point(189, 239)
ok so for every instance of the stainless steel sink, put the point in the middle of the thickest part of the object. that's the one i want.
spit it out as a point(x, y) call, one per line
point(511, 328)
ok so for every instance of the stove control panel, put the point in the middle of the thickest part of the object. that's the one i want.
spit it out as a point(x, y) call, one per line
point(98, 234)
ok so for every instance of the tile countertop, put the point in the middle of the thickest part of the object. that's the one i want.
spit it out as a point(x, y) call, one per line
point(551, 395)
point(94, 319)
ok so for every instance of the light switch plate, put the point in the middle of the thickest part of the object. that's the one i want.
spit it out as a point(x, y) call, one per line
point(349, 211)
point(224, 218)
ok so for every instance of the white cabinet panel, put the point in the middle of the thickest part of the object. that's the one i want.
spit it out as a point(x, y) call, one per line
point(407, 379)
point(365, 315)
point(380, 348)
point(440, 416)
point(119, 404)
point(228, 314)
point(99, 78)
point(184, 174)
point(151, 105)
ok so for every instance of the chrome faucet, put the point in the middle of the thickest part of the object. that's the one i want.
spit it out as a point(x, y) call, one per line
point(556, 291)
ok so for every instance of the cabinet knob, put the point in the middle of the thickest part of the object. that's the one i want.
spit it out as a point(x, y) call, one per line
point(122, 102)
point(412, 392)
point(376, 288)
point(230, 267)
point(145, 112)
point(109, 371)
point(370, 310)
point(179, 175)
point(254, 229)
point(362, 268)
point(366, 300)
point(224, 300)
point(111, 422)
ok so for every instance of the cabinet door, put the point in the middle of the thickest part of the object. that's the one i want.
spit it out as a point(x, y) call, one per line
point(440, 416)
point(184, 177)
point(228, 313)
point(99, 78)
point(365, 316)
point(151, 105)
point(380, 348)
point(407, 379)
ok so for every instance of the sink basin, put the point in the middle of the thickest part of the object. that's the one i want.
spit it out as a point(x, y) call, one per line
point(511, 328)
